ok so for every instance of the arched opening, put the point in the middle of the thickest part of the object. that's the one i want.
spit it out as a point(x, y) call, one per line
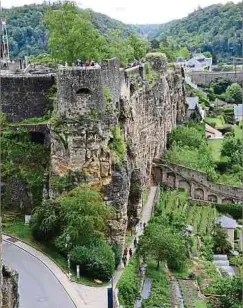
point(212, 198)
point(37, 137)
point(227, 200)
point(171, 179)
point(199, 194)
point(83, 91)
point(185, 186)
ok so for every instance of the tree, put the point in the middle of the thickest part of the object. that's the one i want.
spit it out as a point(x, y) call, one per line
point(233, 94)
point(46, 220)
point(163, 244)
point(119, 47)
point(86, 214)
point(184, 53)
point(219, 85)
point(232, 150)
point(71, 35)
point(140, 47)
point(220, 241)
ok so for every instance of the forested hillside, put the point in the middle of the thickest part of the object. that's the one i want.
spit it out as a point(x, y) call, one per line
point(27, 33)
point(217, 28)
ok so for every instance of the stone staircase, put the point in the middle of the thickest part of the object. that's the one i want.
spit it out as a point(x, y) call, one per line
point(222, 263)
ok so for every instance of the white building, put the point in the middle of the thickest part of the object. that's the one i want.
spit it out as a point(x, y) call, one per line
point(198, 63)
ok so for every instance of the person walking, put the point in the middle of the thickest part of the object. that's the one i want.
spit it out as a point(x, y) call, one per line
point(135, 242)
point(130, 252)
point(125, 251)
point(124, 260)
point(144, 226)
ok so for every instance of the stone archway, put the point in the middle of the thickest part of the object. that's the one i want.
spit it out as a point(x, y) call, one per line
point(185, 185)
point(199, 194)
point(212, 198)
point(171, 179)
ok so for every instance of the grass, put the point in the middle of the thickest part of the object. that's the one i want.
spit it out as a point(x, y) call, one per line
point(200, 304)
point(219, 123)
point(238, 131)
point(22, 231)
point(216, 146)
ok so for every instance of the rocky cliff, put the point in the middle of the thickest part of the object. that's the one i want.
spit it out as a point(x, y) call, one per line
point(110, 124)
point(10, 297)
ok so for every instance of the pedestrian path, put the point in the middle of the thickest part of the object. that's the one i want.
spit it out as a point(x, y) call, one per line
point(146, 214)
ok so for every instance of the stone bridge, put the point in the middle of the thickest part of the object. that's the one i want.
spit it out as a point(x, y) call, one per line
point(204, 78)
point(196, 183)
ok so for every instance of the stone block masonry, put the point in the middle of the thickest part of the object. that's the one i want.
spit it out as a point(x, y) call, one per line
point(25, 96)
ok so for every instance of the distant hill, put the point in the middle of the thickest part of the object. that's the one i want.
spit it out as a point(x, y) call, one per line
point(28, 36)
point(216, 28)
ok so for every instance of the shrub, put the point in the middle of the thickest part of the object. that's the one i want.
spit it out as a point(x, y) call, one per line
point(46, 221)
point(96, 259)
point(118, 144)
point(234, 210)
point(128, 285)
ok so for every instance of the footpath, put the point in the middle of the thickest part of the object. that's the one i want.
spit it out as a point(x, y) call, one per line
point(81, 295)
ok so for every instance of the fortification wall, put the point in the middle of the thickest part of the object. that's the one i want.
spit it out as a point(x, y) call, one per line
point(145, 112)
point(196, 182)
point(204, 78)
point(25, 96)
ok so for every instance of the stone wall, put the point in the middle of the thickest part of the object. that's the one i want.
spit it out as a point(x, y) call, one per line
point(25, 96)
point(10, 296)
point(204, 78)
point(81, 140)
point(196, 182)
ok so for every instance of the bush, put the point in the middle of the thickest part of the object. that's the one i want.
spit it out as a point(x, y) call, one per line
point(234, 210)
point(46, 221)
point(128, 285)
point(96, 259)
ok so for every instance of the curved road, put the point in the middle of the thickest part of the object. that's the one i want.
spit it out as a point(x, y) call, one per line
point(38, 287)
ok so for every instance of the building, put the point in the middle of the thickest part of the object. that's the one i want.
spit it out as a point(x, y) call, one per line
point(212, 133)
point(229, 225)
point(238, 113)
point(194, 110)
point(199, 63)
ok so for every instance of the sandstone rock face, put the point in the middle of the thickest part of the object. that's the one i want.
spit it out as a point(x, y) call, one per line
point(96, 103)
point(10, 297)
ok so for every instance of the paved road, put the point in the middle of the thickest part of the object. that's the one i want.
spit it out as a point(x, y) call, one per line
point(38, 287)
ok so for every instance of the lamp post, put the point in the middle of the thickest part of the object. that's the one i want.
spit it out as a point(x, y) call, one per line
point(68, 238)
point(110, 294)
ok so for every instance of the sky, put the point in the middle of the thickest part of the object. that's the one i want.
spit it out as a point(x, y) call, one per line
point(136, 11)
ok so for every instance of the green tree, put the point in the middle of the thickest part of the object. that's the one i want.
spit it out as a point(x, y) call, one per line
point(232, 150)
point(86, 214)
point(220, 241)
point(163, 244)
point(233, 93)
point(184, 53)
point(46, 220)
point(119, 47)
point(219, 85)
point(140, 46)
point(71, 35)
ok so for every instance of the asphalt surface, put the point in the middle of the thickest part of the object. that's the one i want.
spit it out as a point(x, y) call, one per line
point(38, 287)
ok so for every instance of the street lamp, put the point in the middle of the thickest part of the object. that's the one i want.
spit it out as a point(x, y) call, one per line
point(68, 238)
